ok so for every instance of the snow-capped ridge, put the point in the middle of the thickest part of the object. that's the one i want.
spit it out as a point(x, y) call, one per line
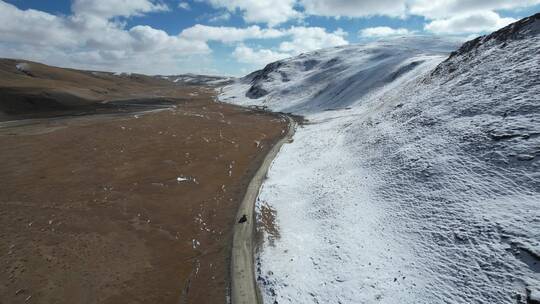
point(336, 77)
point(525, 28)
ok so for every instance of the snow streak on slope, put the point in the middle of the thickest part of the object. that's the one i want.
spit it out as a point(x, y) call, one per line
point(425, 191)
point(194, 79)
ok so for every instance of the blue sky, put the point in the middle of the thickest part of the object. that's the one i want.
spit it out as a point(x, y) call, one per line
point(231, 37)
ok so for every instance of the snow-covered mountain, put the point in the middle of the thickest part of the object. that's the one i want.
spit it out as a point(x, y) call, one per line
point(338, 77)
point(195, 79)
point(422, 185)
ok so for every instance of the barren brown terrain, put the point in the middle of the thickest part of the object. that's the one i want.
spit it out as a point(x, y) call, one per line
point(30, 89)
point(117, 205)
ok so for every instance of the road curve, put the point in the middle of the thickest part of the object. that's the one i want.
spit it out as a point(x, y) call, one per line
point(243, 285)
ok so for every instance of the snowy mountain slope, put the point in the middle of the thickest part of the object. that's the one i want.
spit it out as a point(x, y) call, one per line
point(426, 190)
point(194, 79)
point(337, 77)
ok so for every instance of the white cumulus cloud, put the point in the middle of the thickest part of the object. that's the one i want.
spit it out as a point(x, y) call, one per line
point(297, 39)
point(89, 39)
point(305, 39)
point(271, 12)
point(275, 12)
point(224, 16)
point(468, 23)
point(258, 58)
point(228, 34)
point(184, 5)
point(354, 8)
point(111, 8)
point(435, 9)
point(96, 35)
point(383, 31)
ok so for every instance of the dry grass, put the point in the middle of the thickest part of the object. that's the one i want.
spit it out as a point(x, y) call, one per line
point(95, 209)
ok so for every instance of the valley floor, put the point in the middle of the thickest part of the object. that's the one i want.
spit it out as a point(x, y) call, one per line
point(127, 207)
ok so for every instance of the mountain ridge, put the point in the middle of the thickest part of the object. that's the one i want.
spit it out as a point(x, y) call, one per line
point(526, 27)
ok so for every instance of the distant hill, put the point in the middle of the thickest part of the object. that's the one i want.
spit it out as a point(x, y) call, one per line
point(31, 88)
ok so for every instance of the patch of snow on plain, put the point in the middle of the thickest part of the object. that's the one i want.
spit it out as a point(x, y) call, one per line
point(126, 74)
point(194, 79)
point(412, 192)
point(23, 67)
point(182, 179)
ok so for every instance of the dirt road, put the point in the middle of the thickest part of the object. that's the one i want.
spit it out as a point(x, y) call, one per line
point(243, 285)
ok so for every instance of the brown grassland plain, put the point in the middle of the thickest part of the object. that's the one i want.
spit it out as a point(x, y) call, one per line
point(127, 207)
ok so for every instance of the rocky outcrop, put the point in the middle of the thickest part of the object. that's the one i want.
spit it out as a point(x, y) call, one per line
point(521, 29)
